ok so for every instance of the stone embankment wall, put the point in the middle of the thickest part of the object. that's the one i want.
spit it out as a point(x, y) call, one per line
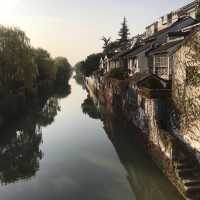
point(152, 117)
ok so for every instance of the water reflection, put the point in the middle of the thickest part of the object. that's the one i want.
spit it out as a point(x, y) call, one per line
point(146, 181)
point(48, 112)
point(88, 107)
point(20, 152)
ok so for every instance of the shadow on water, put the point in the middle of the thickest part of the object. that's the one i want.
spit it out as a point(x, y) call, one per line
point(20, 152)
point(146, 180)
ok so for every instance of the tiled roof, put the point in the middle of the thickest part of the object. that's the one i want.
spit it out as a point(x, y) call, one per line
point(124, 53)
point(190, 5)
point(177, 34)
point(168, 28)
point(165, 47)
point(137, 77)
point(138, 50)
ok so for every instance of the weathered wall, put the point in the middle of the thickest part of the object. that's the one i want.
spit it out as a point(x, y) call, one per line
point(150, 117)
point(186, 91)
point(143, 62)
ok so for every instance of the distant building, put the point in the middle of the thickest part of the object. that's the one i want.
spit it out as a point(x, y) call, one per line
point(137, 60)
point(190, 10)
point(156, 53)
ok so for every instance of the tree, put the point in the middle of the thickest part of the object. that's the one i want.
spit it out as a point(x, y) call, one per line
point(118, 73)
point(106, 44)
point(45, 64)
point(64, 70)
point(79, 76)
point(109, 47)
point(124, 42)
point(91, 64)
point(112, 48)
point(16, 63)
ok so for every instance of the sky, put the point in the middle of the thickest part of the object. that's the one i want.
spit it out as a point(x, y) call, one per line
point(74, 28)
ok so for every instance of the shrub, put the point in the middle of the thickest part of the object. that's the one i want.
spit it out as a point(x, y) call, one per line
point(118, 73)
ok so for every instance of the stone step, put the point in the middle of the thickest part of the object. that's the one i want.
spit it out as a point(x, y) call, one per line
point(185, 168)
point(189, 173)
point(185, 160)
point(191, 182)
point(193, 191)
point(187, 165)
point(193, 197)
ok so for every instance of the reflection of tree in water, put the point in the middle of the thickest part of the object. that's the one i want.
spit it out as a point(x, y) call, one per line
point(64, 91)
point(88, 107)
point(20, 152)
point(49, 111)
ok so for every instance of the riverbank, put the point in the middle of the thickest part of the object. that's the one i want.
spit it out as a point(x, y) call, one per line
point(150, 113)
point(41, 155)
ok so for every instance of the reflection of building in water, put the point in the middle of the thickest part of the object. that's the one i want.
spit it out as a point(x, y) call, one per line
point(149, 109)
point(145, 180)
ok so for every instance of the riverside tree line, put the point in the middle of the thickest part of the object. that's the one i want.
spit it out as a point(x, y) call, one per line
point(21, 65)
point(88, 66)
point(26, 72)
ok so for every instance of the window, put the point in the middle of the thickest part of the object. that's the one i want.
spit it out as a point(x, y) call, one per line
point(133, 66)
point(156, 27)
point(161, 65)
point(169, 18)
point(164, 20)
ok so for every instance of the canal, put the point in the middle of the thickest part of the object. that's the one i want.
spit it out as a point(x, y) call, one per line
point(68, 150)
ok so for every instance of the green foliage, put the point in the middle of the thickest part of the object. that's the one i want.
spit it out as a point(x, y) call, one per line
point(16, 63)
point(124, 42)
point(118, 73)
point(47, 115)
point(64, 71)
point(193, 76)
point(79, 76)
point(106, 45)
point(90, 65)
point(111, 48)
point(45, 64)
point(88, 107)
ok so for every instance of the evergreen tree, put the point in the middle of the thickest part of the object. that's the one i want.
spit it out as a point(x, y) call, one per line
point(124, 42)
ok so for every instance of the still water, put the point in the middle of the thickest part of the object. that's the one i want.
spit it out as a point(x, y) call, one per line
point(63, 150)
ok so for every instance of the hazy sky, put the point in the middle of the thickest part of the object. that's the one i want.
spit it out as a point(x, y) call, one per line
point(73, 28)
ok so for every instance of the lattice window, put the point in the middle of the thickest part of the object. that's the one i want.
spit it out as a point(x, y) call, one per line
point(161, 65)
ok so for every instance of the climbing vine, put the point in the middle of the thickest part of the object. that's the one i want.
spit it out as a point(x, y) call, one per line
point(187, 87)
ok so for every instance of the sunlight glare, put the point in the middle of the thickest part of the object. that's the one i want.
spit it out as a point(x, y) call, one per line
point(7, 9)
